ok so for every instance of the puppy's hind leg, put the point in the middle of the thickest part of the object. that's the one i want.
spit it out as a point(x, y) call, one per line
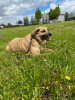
point(8, 48)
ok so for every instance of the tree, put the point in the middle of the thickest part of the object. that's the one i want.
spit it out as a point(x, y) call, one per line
point(54, 13)
point(3, 25)
point(71, 15)
point(66, 16)
point(38, 15)
point(57, 12)
point(9, 24)
point(19, 22)
point(45, 18)
point(26, 21)
point(51, 15)
point(33, 20)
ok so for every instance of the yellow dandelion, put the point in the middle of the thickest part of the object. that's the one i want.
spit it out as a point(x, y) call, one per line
point(56, 82)
point(13, 54)
point(67, 77)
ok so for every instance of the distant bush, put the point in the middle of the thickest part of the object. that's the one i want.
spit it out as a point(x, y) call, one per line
point(15, 26)
point(12, 26)
point(72, 18)
point(7, 26)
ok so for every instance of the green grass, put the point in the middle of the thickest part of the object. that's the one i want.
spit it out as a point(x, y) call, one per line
point(24, 77)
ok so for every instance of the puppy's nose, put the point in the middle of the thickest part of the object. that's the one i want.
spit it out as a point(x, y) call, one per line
point(50, 34)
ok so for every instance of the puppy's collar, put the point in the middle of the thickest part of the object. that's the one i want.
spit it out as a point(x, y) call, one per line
point(30, 43)
point(31, 39)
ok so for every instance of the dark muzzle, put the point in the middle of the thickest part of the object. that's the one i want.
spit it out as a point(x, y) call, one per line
point(50, 34)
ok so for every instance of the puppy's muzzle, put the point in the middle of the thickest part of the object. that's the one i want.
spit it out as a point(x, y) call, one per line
point(50, 34)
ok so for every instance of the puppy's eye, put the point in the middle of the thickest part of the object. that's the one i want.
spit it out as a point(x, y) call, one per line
point(43, 31)
point(38, 30)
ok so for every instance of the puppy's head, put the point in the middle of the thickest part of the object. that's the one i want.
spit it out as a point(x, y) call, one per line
point(42, 33)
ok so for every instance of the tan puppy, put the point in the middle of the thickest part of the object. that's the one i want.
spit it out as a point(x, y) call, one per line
point(32, 43)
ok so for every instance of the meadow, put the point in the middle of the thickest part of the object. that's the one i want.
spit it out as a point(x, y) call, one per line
point(48, 76)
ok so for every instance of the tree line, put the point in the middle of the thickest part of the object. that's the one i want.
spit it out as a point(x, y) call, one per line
point(69, 16)
point(52, 14)
point(45, 18)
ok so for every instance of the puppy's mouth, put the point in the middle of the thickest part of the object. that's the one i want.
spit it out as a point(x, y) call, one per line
point(46, 37)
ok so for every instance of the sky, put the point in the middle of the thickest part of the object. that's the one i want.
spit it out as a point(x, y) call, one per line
point(12, 11)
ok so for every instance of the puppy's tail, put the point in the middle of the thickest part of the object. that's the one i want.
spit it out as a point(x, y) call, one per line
point(7, 48)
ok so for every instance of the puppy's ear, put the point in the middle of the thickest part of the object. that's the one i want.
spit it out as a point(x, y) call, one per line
point(35, 31)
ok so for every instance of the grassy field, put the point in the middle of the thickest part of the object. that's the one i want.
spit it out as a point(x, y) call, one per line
point(49, 76)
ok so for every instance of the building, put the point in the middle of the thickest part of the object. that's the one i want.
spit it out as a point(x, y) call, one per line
point(61, 18)
point(1, 27)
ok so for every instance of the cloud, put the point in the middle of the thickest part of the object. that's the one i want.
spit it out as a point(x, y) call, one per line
point(65, 6)
point(52, 6)
point(68, 6)
point(14, 10)
point(0, 17)
point(11, 19)
point(46, 11)
point(15, 6)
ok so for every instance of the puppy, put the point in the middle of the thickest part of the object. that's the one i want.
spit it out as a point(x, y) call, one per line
point(32, 43)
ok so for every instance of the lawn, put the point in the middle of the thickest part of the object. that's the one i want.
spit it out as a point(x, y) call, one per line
point(49, 76)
